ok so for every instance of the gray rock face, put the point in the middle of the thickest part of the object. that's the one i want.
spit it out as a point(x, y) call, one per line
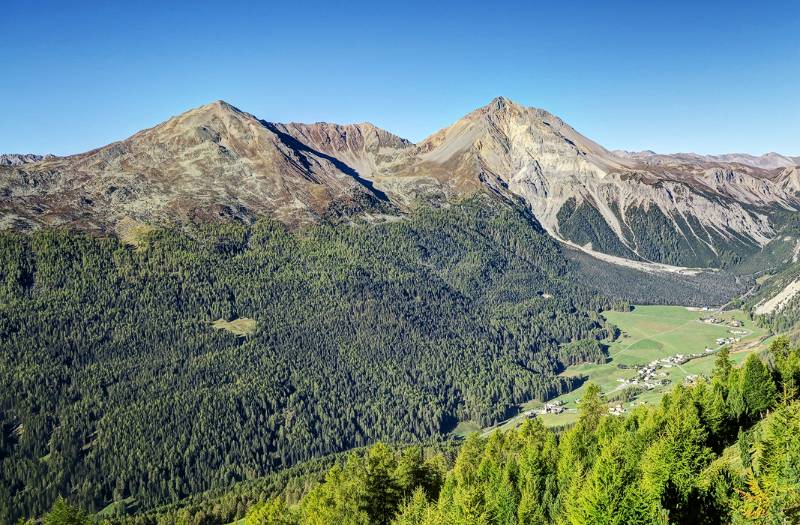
point(16, 159)
point(217, 162)
point(532, 154)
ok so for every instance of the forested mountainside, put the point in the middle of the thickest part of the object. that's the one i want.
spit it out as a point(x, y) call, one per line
point(701, 288)
point(724, 450)
point(217, 162)
point(116, 382)
point(775, 302)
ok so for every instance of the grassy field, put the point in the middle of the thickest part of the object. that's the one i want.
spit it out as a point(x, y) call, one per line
point(241, 327)
point(649, 333)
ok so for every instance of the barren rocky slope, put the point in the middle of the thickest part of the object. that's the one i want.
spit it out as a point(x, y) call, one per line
point(208, 162)
point(217, 161)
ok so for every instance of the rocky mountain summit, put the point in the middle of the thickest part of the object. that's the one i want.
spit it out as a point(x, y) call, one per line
point(216, 162)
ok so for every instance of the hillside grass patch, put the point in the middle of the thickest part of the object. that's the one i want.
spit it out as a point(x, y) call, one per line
point(242, 326)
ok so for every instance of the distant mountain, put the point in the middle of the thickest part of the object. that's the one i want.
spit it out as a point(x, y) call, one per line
point(768, 161)
point(219, 162)
point(16, 159)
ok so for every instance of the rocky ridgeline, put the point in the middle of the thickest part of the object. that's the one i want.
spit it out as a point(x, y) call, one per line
point(219, 163)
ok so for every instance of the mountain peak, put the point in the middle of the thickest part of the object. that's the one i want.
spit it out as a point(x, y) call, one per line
point(215, 109)
point(223, 105)
point(501, 104)
point(218, 161)
point(218, 106)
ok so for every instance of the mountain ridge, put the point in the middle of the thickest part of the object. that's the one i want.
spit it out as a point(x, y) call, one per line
point(219, 162)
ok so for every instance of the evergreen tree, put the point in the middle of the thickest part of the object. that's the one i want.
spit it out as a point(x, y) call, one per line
point(591, 407)
point(671, 465)
point(611, 494)
point(772, 493)
point(382, 493)
point(273, 512)
point(758, 389)
point(63, 513)
point(723, 365)
point(415, 511)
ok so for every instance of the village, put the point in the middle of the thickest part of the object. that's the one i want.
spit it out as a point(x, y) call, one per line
point(652, 375)
point(649, 376)
point(553, 407)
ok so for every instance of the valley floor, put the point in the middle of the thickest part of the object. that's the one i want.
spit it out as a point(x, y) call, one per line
point(648, 334)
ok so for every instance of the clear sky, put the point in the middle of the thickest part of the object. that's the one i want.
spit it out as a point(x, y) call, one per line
point(703, 76)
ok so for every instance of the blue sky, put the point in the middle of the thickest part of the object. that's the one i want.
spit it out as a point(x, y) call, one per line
point(710, 77)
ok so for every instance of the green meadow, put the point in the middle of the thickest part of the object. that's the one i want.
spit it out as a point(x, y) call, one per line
point(648, 333)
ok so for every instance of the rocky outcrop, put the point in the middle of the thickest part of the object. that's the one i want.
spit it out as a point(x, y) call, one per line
point(532, 154)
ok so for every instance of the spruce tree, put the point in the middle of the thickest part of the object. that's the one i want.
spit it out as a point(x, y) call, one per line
point(758, 388)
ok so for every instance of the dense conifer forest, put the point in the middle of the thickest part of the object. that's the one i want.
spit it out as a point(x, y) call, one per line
point(654, 236)
point(116, 385)
point(724, 450)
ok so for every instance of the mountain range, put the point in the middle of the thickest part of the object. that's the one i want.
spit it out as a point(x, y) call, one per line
point(218, 162)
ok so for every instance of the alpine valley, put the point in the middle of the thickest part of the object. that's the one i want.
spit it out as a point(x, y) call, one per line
point(222, 318)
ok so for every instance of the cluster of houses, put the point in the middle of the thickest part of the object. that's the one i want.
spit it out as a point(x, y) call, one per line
point(553, 407)
point(649, 376)
point(649, 381)
point(735, 323)
point(616, 410)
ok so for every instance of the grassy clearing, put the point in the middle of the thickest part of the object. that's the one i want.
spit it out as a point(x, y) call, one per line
point(133, 233)
point(466, 427)
point(242, 326)
point(117, 507)
point(650, 333)
point(764, 278)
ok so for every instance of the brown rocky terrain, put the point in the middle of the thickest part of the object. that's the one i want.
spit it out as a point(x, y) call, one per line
point(213, 161)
